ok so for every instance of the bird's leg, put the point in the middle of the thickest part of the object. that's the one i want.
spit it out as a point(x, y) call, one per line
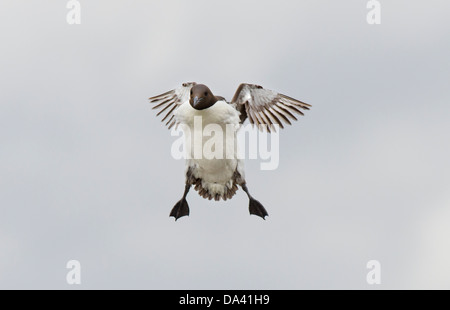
point(181, 208)
point(255, 207)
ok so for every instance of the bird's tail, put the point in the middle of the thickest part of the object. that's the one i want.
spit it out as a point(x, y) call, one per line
point(214, 190)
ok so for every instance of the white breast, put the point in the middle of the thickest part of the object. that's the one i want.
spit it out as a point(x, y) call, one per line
point(215, 169)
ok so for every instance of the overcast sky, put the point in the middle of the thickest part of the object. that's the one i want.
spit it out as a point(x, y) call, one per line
point(85, 166)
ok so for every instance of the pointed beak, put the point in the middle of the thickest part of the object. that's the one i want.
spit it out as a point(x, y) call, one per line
point(196, 101)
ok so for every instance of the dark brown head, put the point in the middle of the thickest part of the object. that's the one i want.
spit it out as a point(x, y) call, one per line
point(201, 97)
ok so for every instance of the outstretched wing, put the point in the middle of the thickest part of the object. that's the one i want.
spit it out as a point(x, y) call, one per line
point(266, 107)
point(170, 101)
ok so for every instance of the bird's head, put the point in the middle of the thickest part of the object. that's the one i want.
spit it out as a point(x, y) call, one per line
point(201, 97)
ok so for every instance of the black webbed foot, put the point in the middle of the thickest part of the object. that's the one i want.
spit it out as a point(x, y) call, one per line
point(256, 208)
point(180, 209)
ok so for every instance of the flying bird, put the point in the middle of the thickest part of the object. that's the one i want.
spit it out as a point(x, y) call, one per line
point(218, 178)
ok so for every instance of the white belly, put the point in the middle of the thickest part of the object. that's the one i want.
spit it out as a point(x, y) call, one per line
point(211, 146)
point(213, 166)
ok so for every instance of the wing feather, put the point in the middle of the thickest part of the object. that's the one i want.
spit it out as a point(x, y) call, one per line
point(276, 119)
point(169, 101)
point(266, 107)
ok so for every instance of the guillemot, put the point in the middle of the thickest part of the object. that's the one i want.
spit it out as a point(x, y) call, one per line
point(218, 178)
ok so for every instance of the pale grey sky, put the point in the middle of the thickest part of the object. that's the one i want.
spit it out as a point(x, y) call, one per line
point(86, 171)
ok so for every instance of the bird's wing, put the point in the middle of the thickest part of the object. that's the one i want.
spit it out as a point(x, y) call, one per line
point(170, 101)
point(265, 107)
